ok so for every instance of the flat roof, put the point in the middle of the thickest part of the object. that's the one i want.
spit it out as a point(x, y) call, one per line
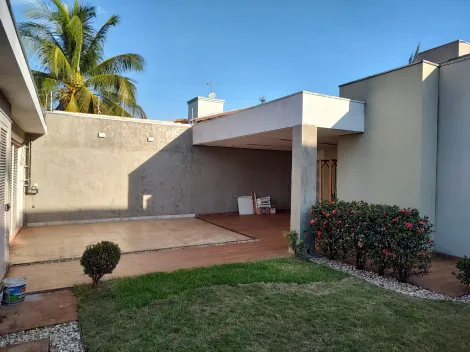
point(388, 71)
point(16, 81)
point(117, 118)
point(452, 42)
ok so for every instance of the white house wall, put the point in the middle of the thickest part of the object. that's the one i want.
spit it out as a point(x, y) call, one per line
point(301, 108)
point(274, 115)
point(333, 112)
point(15, 79)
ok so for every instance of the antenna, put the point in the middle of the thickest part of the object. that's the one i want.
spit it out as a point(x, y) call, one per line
point(211, 85)
point(262, 99)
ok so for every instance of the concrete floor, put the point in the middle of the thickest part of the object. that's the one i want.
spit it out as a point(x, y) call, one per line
point(50, 243)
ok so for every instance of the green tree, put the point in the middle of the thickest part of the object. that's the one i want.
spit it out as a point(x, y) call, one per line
point(414, 54)
point(72, 69)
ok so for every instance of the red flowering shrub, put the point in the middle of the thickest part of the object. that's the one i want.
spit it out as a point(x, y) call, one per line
point(328, 229)
point(411, 244)
point(392, 238)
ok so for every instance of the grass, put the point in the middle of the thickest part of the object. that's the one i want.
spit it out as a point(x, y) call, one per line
point(271, 305)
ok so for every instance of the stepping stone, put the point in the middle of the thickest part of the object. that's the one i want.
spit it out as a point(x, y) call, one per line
point(31, 346)
point(39, 310)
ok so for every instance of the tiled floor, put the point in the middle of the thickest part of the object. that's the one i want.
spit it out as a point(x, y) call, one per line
point(267, 228)
point(46, 243)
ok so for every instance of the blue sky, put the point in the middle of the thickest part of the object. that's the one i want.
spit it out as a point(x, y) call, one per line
point(271, 48)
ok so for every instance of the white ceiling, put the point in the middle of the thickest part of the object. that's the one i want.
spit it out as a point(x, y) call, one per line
point(277, 140)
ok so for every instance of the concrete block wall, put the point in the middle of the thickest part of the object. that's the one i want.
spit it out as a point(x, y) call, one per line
point(83, 177)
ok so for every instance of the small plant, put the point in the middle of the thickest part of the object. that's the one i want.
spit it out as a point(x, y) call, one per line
point(463, 265)
point(295, 243)
point(100, 259)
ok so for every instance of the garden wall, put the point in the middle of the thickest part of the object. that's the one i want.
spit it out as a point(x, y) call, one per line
point(83, 177)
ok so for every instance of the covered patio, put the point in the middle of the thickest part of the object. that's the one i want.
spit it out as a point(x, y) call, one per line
point(308, 125)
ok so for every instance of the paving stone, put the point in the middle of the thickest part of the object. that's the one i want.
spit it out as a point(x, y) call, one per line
point(39, 310)
point(31, 346)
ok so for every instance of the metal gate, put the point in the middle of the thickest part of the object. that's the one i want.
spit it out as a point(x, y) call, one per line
point(326, 179)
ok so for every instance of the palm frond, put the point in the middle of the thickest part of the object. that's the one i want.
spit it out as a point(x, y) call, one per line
point(120, 64)
point(124, 87)
point(70, 53)
point(118, 107)
point(87, 100)
point(414, 54)
point(75, 29)
point(45, 85)
point(95, 51)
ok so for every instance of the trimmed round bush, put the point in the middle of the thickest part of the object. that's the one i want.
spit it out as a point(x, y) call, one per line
point(100, 259)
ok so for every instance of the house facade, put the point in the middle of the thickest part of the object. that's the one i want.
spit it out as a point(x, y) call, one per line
point(21, 121)
point(398, 137)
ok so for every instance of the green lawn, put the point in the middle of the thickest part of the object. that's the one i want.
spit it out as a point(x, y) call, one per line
point(271, 305)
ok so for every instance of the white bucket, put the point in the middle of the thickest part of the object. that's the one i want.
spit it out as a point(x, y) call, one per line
point(245, 205)
point(14, 289)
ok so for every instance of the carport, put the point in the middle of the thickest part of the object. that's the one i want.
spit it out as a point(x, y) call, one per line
point(307, 124)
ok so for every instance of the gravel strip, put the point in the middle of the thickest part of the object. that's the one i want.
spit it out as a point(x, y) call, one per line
point(63, 337)
point(386, 282)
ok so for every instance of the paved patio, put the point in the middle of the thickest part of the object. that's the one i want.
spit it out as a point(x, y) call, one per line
point(48, 243)
point(266, 228)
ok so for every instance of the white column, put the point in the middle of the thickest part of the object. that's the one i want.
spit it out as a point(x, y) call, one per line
point(304, 180)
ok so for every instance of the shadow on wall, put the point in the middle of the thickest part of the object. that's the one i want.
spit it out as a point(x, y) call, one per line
point(186, 179)
point(140, 180)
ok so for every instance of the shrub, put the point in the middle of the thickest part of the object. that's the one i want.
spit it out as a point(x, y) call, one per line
point(328, 229)
point(100, 259)
point(295, 243)
point(463, 265)
point(388, 236)
point(411, 244)
point(380, 238)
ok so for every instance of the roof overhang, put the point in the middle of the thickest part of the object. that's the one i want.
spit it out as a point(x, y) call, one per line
point(16, 82)
point(272, 120)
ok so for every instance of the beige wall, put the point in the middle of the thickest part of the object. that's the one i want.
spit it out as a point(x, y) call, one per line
point(464, 48)
point(82, 177)
point(453, 168)
point(394, 161)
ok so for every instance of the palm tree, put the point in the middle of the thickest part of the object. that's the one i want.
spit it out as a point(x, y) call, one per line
point(414, 54)
point(73, 73)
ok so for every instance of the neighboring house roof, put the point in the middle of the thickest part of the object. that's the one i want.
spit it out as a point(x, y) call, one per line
point(221, 114)
point(181, 121)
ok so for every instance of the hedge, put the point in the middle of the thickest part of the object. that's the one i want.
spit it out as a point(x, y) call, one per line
point(388, 236)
